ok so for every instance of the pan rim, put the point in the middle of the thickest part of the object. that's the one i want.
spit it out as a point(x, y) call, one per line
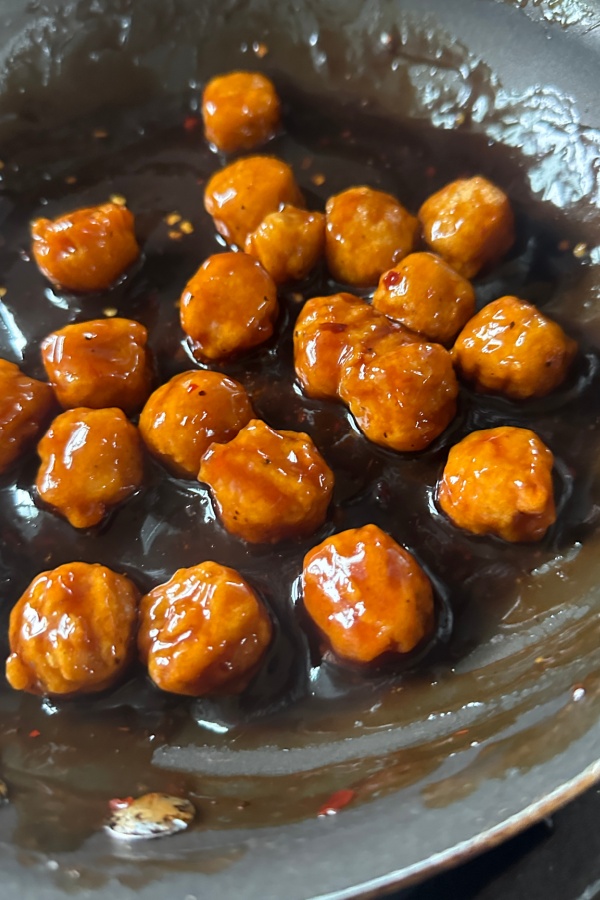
point(473, 847)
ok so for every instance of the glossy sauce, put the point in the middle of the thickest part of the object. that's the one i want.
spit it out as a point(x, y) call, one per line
point(86, 752)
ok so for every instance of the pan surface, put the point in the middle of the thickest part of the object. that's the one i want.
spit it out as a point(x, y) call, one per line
point(502, 726)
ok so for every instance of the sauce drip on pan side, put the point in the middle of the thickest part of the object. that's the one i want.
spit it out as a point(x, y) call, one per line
point(64, 760)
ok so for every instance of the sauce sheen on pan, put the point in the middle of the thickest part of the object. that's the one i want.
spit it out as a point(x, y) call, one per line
point(159, 162)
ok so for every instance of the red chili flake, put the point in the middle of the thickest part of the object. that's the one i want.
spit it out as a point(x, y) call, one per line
point(190, 123)
point(462, 731)
point(391, 278)
point(120, 803)
point(337, 802)
point(334, 327)
point(260, 49)
point(34, 733)
point(191, 388)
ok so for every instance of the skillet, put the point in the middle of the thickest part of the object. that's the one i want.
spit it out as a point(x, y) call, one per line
point(509, 728)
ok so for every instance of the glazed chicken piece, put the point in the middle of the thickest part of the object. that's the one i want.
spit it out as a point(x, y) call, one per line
point(367, 595)
point(288, 243)
point(186, 415)
point(469, 223)
point(367, 232)
point(328, 330)
point(228, 306)
point(86, 250)
point(499, 481)
point(241, 111)
point(511, 348)
point(402, 392)
point(268, 485)
point(73, 631)
point(101, 363)
point(91, 461)
point(240, 196)
point(427, 296)
point(26, 406)
point(203, 632)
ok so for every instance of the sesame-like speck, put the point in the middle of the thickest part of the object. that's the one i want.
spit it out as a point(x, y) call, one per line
point(260, 49)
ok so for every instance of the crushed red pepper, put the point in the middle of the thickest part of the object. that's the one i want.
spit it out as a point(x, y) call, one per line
point(337, 802)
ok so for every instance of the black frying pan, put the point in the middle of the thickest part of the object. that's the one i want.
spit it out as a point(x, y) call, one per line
point(511, 728)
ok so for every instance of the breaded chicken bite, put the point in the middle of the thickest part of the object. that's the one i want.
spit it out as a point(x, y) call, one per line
point(469, 223)
point(186, 415)
point(367, 233)
point(240, 196)
point(26, 406)
point(327, 331)
point(228, 306)
point(73, 631)
point(511, 348)
point(367, 595)
point(401, 392)
point(499, 481)
point(288, 243)
point(101, 363)
point(86, 250)
point(268, 485)
point(241, 111)
point(426, 295)
point(204, 631)
point(91, 461)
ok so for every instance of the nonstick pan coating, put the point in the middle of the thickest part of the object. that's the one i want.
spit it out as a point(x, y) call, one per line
point(513, 729)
